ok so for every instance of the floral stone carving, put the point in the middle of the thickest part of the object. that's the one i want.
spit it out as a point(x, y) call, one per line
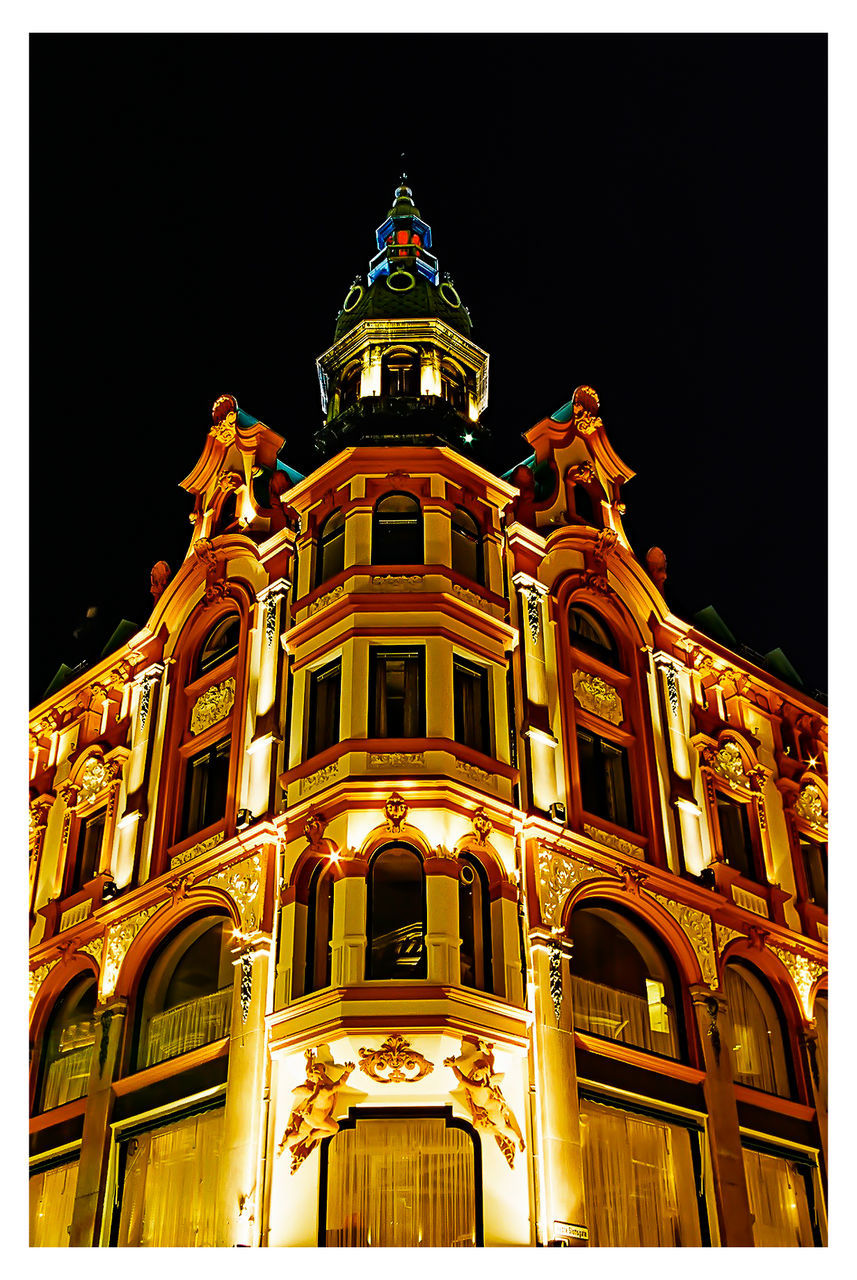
point(598, 697)
point(242, 881)
point(481, 1096)
point(697, 926)
point(803, 972)
point(313, 1103)
point(725, 935)
point(37, 977)
point(810, 806)
point(96, 775)
point(558, 874)
point(119, 939)
point(613, 841)
point(212, 706)
point(396, 1061)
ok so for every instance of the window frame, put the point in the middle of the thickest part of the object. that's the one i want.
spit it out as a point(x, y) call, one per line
point(381, 540)
point(465, 668)
point(324, 542)
point(318, 675)
point(420, 970)
point(476, 539)
point(416, 653)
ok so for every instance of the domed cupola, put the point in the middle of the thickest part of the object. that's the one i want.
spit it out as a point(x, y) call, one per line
point(402, 369)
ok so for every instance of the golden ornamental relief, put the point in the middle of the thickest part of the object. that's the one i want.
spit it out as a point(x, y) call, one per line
point(395, 1062)
point(598, 697)
point(396, 810)
point(119, 938)
point(725, 935)
point(313, 780)
point(396, 759)
point(804, 973)
point(94, 949)
point(810, 806)
point(313, 1103)
point(196, 850)
point(729, 763)
point(97, 774)
point(697, 928)
point(242, 881)
point(614, 842)
point(482, 826)
point(585, 408)
point(321, 602)
point(558, 875)
point(480, 1095)
point(212, 706)
point(37, 977)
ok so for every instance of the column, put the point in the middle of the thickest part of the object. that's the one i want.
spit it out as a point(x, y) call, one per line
point(730, 1186)
point(443, 939)
point(348, 946)
point(95, 1146)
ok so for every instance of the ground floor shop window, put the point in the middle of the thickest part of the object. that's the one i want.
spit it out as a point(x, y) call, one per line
point(779, 1205)
point(52, 1194)
point(405, 1182)
point(168, 1180)
point(640, 1179)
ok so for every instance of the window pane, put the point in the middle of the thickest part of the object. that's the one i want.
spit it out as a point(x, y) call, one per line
point(397, 708)
point(51, 1206)
point(815, 867)
point(325, 688)
point(205, 788)
point(405, 1183)
point(319, 928)
point(170, 1185)
point(466, 546)
point(67, 1052)
point(639, 1179)
point(588, 632)
point(88, 850)
point(397, 533)
point(331, 547)
point(778, 1201)
point(221, 645)
point(470, 697)
point(396, 944)
point(474, 926)
point(187, 998)
point(758, 1051)
point(735, 836)
point(617, 787)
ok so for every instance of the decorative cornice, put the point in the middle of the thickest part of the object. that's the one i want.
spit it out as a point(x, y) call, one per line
point(395, 1062)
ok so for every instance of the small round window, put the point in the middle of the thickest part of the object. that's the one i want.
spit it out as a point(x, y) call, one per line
point(400, 281)
point(449, 295)
point(354, 296)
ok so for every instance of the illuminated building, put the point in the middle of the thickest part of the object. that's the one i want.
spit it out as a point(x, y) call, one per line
point(415, 876)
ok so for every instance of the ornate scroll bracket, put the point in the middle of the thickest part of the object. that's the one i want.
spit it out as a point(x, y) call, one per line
point(395, 1062)
point(481, 1096)
point(531, 592)
point(313, 1103)
point(37, 977)
point(482, 826)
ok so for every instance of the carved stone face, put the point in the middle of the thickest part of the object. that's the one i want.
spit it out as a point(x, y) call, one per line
point(482, 825)
point(396, 810)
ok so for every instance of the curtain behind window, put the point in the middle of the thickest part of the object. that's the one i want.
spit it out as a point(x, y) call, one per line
point(51, 1205)
point(169, 1193)
point(406, 1183)
point(758, 1057)
point(640, 1186)
point(778, 1202)
point(618, 1015)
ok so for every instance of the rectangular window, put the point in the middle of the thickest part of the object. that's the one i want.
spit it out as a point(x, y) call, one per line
point(324, 699)
point(735, 837)
point(815, 867)
point(402, 1183)
point(605, 783)
point(206, 782)
point(88, 853)
point(470, 698)
point(169, 1184)
point(779, 1205)
point(397, 700)
point(52, 1194)
point(639, 1179)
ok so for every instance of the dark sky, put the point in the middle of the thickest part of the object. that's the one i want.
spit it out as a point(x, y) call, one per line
point(644, 214)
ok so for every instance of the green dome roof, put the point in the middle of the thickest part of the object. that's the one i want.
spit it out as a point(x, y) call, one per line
point(380, 301)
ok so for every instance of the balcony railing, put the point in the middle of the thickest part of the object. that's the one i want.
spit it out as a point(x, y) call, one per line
point(617, 1015)
point(189, 1025)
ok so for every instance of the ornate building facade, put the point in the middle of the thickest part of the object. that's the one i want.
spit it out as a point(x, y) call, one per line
point(415, 876)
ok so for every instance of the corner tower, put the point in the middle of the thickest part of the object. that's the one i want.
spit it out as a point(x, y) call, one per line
point(402, 368)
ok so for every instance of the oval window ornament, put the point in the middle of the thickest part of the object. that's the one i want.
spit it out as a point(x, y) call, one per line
point(450, 295)
point(355, 293)
point(400, 281)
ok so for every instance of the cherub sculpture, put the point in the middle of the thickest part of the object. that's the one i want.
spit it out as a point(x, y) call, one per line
point(481, 1095)
point(311, 1117)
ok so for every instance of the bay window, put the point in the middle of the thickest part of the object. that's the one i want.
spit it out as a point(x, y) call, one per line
point(397, 913)
point(397, 703)
point(397, 530)
point(324, 699)
point(470, 705)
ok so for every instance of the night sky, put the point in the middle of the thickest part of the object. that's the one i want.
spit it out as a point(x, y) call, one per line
point(643, 214)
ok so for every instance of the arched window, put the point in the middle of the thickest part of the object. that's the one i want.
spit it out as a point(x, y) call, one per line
point(221, 645)
point(474, 925)
point(400, 374)
point(820, 1013)
point(589, 632)
point(67, 1045)
point(186, 999)
point(331, 547)
point(319, 926)
point(758, 1051)
point(622, 984)
point(396, 915)
point(466, 546)
point(397, 530)
point(452, 386)
point(583, 507)
point(349, 387)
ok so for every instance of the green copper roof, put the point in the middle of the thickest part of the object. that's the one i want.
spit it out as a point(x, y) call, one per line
point(565, 414)
point(380, 302)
